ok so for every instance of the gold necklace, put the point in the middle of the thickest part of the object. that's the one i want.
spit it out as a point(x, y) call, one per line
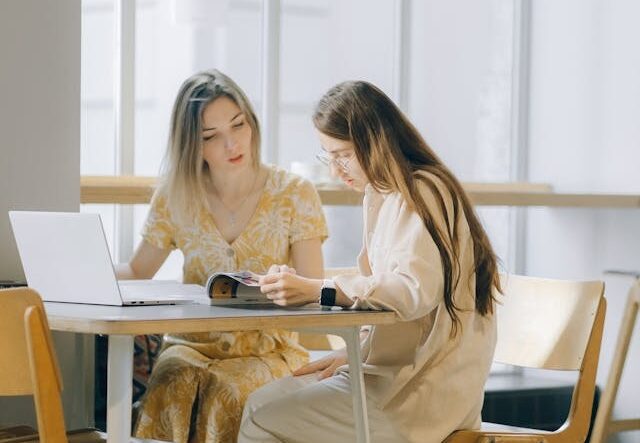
point(232, 214)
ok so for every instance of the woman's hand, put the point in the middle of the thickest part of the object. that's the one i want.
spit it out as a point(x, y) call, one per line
point(286, 288)
point(274, 269)
point(326, 366)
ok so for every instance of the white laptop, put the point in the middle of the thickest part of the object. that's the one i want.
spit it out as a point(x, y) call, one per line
point(66, 259)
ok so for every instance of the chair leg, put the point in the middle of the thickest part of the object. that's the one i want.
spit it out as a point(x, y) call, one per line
point(603, 425)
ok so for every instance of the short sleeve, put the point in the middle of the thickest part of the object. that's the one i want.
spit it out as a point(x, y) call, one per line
point(159, 229)
point(307, 219)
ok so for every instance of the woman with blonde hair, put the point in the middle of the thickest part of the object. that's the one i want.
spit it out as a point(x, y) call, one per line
point(225, 211)
point(426, 257)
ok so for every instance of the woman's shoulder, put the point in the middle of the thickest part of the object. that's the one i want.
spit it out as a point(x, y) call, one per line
point(159, 197)
point(429, 185)
point(161, 206)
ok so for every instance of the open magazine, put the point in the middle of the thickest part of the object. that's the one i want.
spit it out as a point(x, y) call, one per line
point(235, 288)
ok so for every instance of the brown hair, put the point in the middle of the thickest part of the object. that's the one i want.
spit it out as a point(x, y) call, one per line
point(184, 170)
point(393, 154)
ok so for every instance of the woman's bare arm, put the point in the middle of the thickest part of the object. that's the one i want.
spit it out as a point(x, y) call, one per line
point(144, 264)
point(307, 259)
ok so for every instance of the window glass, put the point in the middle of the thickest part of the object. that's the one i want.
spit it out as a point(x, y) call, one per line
point(97, 153)
point(459, 89)
point(173, 41)
point(459, 84)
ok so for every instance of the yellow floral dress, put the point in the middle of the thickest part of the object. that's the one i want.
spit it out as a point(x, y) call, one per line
point(200, 382)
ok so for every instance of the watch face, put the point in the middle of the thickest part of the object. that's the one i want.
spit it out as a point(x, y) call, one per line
point(328, 297)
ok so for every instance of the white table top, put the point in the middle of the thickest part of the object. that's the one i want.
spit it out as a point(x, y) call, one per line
point(131, 320)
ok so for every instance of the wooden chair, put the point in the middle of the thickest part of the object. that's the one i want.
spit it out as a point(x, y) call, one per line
point(548, 324)
point(604, 425)
point(29, 366)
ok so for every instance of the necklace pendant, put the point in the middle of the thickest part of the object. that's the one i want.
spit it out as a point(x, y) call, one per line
point(232, 220)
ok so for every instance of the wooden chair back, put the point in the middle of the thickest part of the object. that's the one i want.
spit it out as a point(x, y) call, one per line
point(545, 323)
point(29, 365)
point(604, 424)
point(548, 324)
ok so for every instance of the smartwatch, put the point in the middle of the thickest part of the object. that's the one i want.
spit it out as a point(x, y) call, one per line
point(328, 293)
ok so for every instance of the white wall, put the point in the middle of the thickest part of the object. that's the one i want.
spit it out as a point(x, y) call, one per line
point(40, 151)
point(449, 61)
point(460, 82)
point(39, 113)
point(585, 136)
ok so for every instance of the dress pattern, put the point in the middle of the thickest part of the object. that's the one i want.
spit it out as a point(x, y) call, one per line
point(200, 382)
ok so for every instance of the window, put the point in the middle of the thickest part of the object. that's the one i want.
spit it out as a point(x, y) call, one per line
point(457, 87)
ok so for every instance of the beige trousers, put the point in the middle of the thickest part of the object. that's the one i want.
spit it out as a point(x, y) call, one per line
point(303, 409)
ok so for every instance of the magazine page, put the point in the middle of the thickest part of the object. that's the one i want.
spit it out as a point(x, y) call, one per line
point(245, 277)
point(225, 288)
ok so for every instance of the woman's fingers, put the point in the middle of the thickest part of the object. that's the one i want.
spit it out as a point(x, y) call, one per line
point(279, 269)
point(270, 288)
point(325, 367)
point(270, 278)
point(327, 372)
point(288, 289)
point(314, 366)
point(277, 282)
point(273, 282)
point(309, 368)
point(306, 369)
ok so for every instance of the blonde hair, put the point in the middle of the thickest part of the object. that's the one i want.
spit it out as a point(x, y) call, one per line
point(184, 172)
point(392, 154)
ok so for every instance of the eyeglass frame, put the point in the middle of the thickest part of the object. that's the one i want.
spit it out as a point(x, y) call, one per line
point(341, 163)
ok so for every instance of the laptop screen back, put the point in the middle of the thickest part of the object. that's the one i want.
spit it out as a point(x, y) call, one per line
point(65, 256)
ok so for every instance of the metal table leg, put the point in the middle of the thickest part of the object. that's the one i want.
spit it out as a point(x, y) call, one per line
point(119, 388)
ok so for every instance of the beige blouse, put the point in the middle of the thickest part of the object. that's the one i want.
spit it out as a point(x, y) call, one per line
point(428, 383)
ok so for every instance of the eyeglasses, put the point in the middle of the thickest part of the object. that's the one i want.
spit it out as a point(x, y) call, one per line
point(341, 163)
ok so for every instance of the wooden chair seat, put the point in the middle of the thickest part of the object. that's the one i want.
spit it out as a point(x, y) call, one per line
point(77, 436)
point(497, 427)
point(8, 432)
point(490, 432)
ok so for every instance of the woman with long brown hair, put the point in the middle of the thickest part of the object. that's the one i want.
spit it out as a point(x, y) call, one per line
point(425, 256)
